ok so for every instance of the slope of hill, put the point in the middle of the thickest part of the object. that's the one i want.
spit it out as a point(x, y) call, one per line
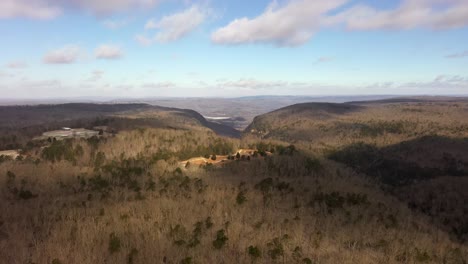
point(277, 123)
point(20, 123)
point(380, 123)
point(239, 112)
point(125, 199)
point(315, 193)
point(413, 99)
point(406, 144)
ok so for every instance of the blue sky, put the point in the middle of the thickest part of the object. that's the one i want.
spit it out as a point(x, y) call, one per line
point(142, 48)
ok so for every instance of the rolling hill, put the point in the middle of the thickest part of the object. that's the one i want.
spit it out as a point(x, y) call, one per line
point(403, 143)
point(20, 123)
point(323, 183)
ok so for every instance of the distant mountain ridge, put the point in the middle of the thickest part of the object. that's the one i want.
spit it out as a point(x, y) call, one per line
point(266, 122)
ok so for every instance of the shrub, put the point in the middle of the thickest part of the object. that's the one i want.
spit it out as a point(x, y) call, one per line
point(390, 221)
point(283, 187)
point(178, 171)
point(59, 150)
point(208, 167)
point(132, 255)
point(240, 199)
point(259, 224)
point(4, 158)
point(331, 200)
point(288, 151)
point(99, 159)
point(220, 240)
point(93, 142)
point(356, 199)
point(98, 183)
point(454, 256)
point(150, 185)
point(208, 223)
point(114, 243)
point(265, 185)
point(377, 128)
point(196, 235)
point(26, 194)
point(422, 256)
point(297, 254)
point(187, 260)
point(276, 249)
point(312, 165)
point(254, 252)
point(10, 177)
point(199, 185)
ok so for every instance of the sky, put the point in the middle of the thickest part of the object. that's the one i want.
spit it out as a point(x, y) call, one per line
point(208, 48)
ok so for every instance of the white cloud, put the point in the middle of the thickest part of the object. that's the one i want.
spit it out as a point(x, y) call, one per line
point(289, 25)
point(175, 26)
point(17, 65)
point(295, 22)
point(442, 84)
point(66, 55)
point(458, 55)
point(49, 9)
point(410, 14)
point(151, 24)
point(35, 9)
point(101, 7)
point(143, 40)
point(107, 51)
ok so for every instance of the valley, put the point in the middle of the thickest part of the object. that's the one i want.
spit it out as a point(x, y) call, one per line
point(309, 183)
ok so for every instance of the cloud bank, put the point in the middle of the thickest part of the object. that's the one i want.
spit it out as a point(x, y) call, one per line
point(49, 9)
point(109, 52)
point(17, 65)
point(66, 55)
point(289, 25)
point(174, 27)
point(410, 14)
point(295, 22)
point(28, 8)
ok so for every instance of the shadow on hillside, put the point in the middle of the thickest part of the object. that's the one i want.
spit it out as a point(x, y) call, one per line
point(404, 163)
point(430, 174)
